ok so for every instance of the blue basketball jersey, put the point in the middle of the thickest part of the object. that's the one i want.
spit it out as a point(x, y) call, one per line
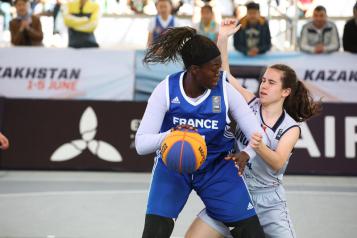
point(209, 114)
point(159, 29)
point(217, 182)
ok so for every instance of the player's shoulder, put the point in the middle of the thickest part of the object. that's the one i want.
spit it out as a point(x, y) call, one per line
point(175, 75)
point(254, 104)
point(169, 78)
point(289, 120)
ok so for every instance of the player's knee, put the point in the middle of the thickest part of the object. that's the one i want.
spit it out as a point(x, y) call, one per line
point(248, 228)
point(157, 226)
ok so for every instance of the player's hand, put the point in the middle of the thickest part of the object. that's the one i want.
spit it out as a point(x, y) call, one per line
point(256, 141)
point(228, 28)
point(240, 160)
point(25, 24)
point(185, 126)
point(4, 142)
point(253, 52)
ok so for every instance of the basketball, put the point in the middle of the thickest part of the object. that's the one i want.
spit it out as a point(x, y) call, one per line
point(184, 151)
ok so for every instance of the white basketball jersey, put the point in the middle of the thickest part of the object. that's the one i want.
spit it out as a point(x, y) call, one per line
point(258, 173)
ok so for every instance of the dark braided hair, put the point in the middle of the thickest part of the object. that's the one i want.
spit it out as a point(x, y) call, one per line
point(299, 104)
point(181, 43)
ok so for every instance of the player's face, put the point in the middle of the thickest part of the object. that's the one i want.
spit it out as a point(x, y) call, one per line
point(319, 18)
point(208, 74)
point(271, 87)
point(163, 8)
point(21, 8)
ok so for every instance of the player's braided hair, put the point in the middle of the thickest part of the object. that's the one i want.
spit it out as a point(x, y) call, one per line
point(181, 43)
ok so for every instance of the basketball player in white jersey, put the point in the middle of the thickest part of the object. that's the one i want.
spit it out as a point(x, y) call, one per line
point(283, 102)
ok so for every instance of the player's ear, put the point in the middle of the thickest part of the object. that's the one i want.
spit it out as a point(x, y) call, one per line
point(286, 92)
point(194, 69)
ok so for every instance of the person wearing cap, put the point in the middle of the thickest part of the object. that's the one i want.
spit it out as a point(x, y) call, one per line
point(350, 33)
point(254, 36)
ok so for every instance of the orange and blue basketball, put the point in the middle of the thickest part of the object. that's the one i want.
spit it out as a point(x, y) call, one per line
point(184, 151)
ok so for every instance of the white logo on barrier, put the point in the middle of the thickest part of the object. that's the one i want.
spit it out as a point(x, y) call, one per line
point(88, 129)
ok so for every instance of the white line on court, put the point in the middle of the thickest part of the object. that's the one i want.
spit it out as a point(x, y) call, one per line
point(144, 191)
point(102, 192)
point(331, 193)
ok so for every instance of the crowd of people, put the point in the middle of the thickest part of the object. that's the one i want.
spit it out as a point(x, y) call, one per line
point(319, 35)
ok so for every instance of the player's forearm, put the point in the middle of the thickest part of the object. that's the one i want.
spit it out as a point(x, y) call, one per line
point(222, 44)
point(272, 158)
point(149, 143)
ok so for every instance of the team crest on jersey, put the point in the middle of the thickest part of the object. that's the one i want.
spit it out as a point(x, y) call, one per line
point(279, 134)
point(216, 104)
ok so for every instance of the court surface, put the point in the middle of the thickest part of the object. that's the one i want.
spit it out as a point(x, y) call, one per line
point(36, 204)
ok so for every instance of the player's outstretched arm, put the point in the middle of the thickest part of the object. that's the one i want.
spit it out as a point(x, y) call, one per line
point(228, 28)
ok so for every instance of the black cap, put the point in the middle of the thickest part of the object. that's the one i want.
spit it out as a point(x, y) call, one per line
point(252, 6)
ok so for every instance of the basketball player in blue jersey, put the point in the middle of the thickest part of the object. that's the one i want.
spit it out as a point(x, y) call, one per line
point(283, 102)
point(162, 21)
point(199, 97)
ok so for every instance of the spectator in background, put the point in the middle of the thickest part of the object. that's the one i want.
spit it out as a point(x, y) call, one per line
point(305, 7)
point(162, 20)
point(319, 35)
point(47, 8)
point(350, 33)
point(4, 142)
point(137, 6)
point(237, 13)
point(55, 12)
point(5, 11)
point(26, 29)
point(254, 36)
point(208, 26)
point(81, 17)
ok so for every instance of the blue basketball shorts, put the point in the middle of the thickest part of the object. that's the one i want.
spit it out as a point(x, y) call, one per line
point(219, 186)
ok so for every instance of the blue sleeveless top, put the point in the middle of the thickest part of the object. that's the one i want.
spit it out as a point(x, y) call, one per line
point(209, 115)
point(159, 29)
